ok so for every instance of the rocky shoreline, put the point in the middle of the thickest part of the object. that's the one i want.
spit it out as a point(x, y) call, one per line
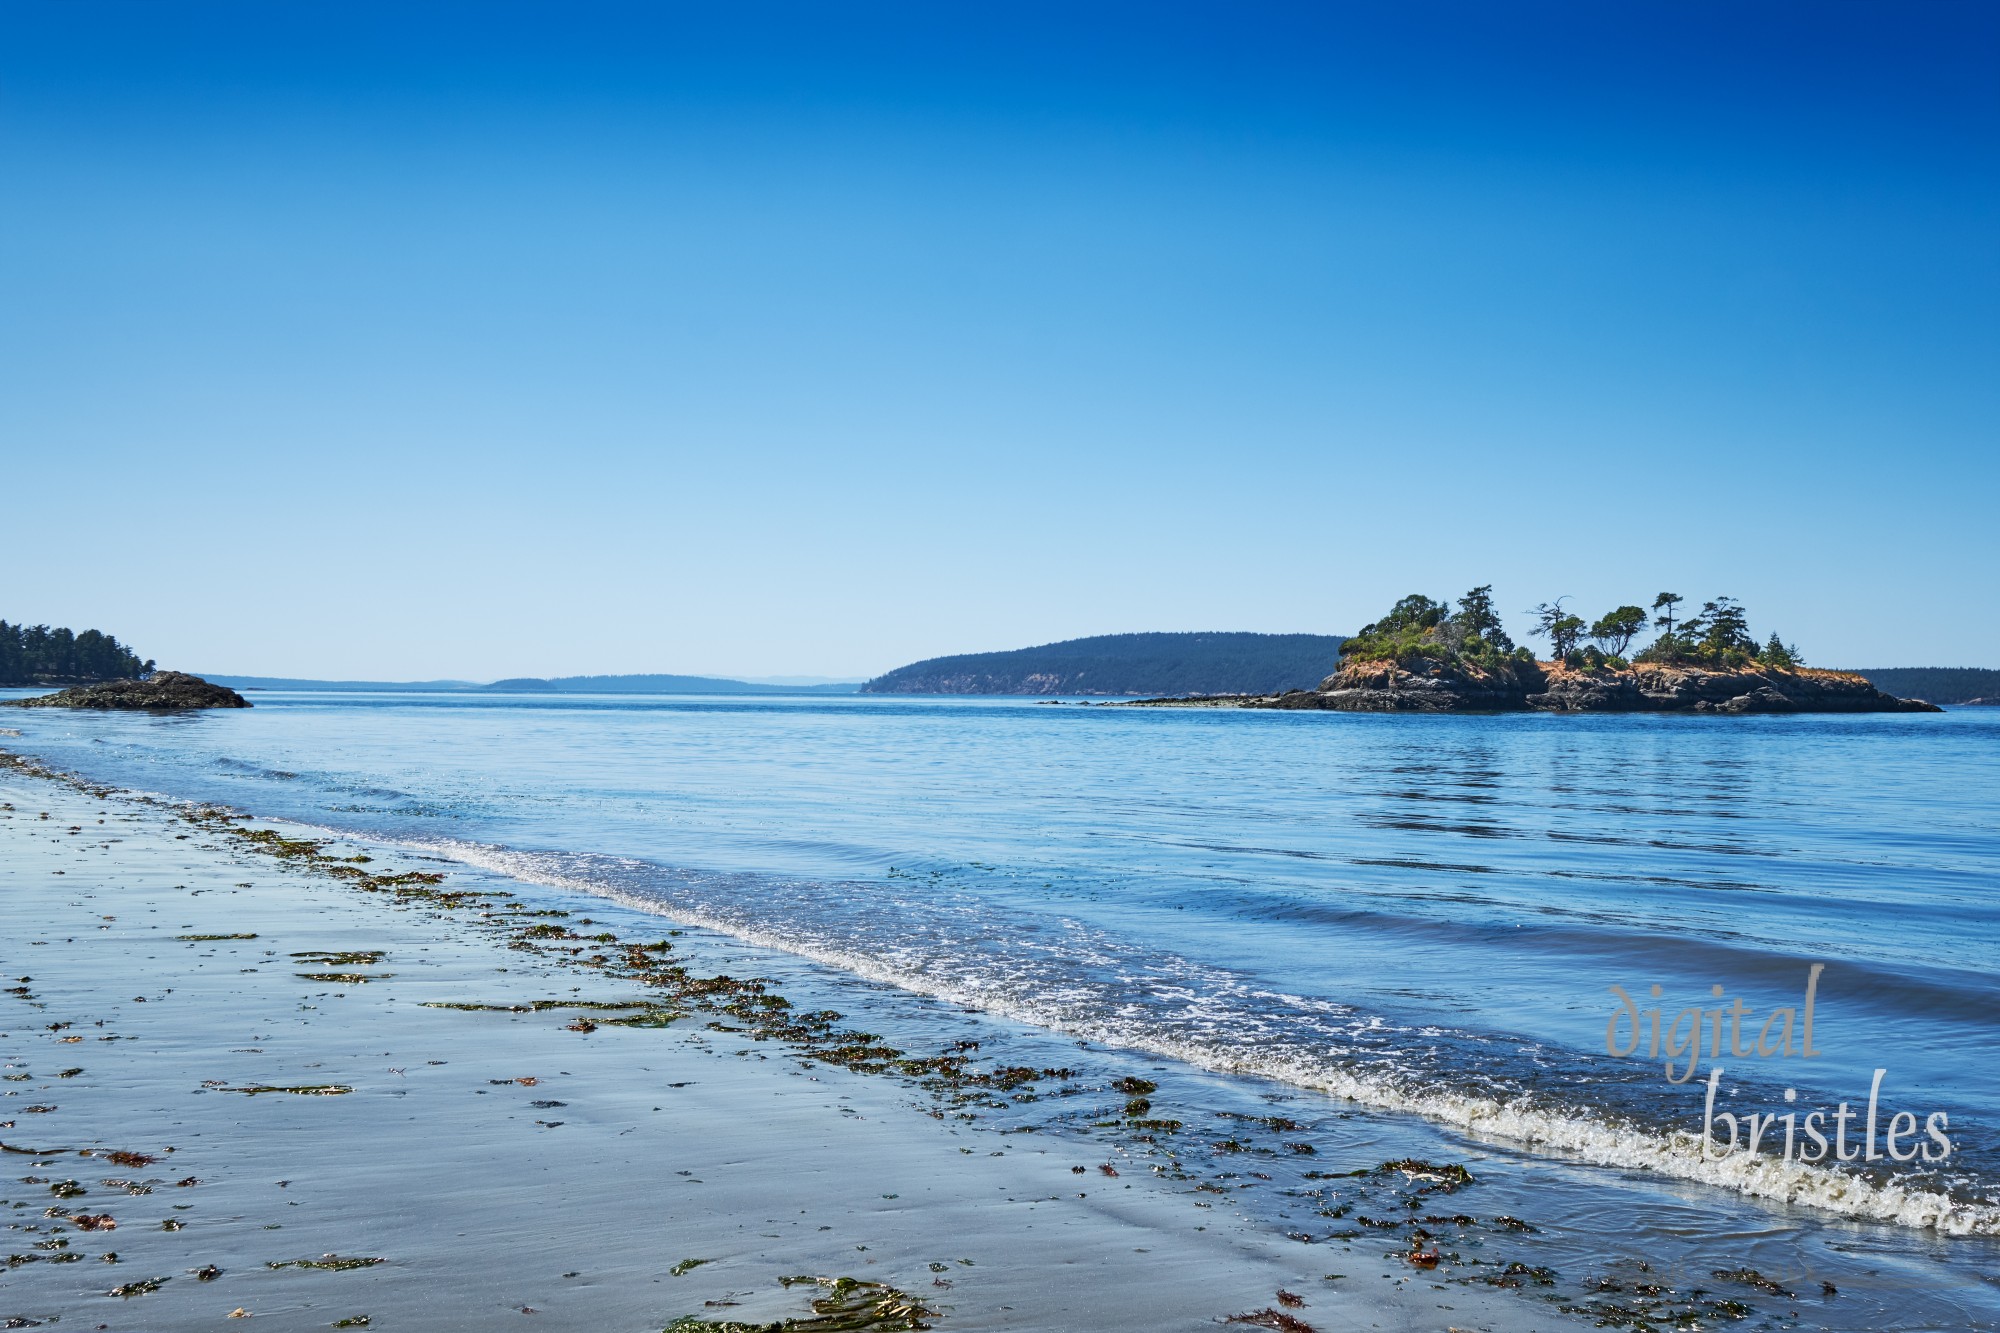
point(1435, 686)
point(162, 691)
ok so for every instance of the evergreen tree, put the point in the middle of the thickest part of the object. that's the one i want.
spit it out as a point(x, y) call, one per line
point(1721, 632)
point(1668, 647)
point(1414, 612)
point(1558, 626)
point(1777, 653)
point(1477, 615)
point(38, 655)
point(1615, 630)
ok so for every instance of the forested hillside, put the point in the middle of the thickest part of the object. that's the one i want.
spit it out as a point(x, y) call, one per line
point(1938, 685)
point(38, 655)
point(1139, 664)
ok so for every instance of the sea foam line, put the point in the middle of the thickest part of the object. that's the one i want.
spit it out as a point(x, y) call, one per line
point(1517, 1120)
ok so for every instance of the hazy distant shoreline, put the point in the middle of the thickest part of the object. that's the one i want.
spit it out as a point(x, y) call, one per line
point(1105, 666)
point(626, 684)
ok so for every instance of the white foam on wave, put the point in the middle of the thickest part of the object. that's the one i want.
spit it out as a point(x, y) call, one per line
point(1519, 1120)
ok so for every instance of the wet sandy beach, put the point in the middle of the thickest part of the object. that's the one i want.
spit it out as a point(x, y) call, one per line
point(246, 1080)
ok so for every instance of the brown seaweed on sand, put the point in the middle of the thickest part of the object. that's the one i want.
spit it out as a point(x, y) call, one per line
point(1272, 1317)
point(1750, 1277)
point(1428, 1177)
point(334, 1263)
point(535, 1006)
point(846, 1305)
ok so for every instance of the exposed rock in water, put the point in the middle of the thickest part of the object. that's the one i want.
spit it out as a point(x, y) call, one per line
point(1436, 686)
point(161, 691)
point(1426, 687)
point(1660, 688)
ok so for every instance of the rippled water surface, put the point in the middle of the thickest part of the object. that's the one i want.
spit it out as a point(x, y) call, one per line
point(1422, 914)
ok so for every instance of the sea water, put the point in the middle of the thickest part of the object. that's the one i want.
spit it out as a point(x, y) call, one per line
point(1570, 944)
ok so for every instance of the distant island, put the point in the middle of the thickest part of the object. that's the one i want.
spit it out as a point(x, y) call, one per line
point(1127, 664)
point(341, 686)
point(658, 685)
point(1939, 685)
point(1429, 656)
point(632, 684)
point(38, 655)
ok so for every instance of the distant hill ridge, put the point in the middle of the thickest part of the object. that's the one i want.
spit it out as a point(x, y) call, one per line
point(343, 686)
point(1135, 664)
point(1938, 685)
point(656, 684)
point(638, 684)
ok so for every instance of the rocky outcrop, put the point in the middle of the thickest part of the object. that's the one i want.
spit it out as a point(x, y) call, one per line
point(1426, 686)
point(1447, 686)
point(164, 690)
point(1657, 688)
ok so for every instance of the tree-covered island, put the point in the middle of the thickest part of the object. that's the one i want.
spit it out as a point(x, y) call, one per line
point(100, 671)
point(1434, 656)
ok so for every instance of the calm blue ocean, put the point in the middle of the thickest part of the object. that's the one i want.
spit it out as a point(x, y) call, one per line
point(1424, 915)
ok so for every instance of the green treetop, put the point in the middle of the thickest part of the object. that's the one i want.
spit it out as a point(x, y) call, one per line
point(1419, 627)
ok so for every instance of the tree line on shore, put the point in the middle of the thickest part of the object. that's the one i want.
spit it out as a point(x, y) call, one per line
point(1718, 635)
point(38, 655)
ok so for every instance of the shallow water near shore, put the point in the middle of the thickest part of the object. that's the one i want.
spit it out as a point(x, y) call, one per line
point(1399, 931)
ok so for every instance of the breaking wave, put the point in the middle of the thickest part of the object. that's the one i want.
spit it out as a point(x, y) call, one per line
point(1068, 977)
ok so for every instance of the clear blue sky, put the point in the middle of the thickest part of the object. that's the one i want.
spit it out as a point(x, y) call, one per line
point(474, 340)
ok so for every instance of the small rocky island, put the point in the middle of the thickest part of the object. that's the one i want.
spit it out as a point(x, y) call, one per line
point(160, 692)
point(1429, 657)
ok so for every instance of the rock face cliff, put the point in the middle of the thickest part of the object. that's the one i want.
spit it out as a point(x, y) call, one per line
point(1446, 686)
point(1422, 687)
point(1652, 687)
point(165, 690)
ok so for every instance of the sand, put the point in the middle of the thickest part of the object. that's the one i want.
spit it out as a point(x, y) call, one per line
point(512, 1166)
